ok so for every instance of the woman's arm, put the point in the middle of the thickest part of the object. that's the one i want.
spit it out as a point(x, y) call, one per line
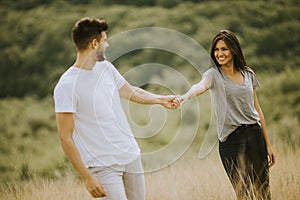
point(196, 90)
point(271, 154)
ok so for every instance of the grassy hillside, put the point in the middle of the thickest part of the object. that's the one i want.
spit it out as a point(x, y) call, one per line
point(35, 48)
point(29, 144)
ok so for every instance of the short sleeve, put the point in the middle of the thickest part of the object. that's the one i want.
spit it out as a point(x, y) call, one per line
point(255, 82)
point(118, 78)
point(209, 77)
point(64, 98)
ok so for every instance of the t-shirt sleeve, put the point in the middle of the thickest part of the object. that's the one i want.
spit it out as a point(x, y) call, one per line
point(64, 98)
point(255, 82)
point(118, 78)
point(208, 77)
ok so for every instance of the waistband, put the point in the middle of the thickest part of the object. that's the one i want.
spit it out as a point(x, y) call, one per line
point(249, 125)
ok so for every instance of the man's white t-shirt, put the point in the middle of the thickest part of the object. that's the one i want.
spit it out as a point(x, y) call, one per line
point(101, 133)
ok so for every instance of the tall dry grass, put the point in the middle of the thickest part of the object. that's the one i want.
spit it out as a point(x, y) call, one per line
point(189, 178)
point(193, 179)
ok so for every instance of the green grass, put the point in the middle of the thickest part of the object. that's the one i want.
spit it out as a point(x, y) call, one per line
point(29, 143)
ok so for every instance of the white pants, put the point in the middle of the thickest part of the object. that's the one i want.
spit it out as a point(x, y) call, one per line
point(122, 182)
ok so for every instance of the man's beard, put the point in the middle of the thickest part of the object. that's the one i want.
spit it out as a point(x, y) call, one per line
point(101, 56)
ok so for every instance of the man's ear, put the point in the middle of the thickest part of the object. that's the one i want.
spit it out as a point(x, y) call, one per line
point(94, 43)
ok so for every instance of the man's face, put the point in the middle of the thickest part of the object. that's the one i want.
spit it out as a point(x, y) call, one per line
point(100, 49)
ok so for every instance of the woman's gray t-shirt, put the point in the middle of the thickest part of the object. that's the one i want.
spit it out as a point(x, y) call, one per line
point(233, 103)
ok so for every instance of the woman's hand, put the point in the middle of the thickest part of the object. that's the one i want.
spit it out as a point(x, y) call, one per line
point(182, 99)
point(271, 156)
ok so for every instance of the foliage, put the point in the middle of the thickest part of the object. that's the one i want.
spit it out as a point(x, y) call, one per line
point(35, 44)
point(280, 101)
point(29, 4)
point(28, 140)
point(35, 49)
point(29, 144)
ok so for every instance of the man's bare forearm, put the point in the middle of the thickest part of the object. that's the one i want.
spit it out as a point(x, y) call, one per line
point(144, 97)
point(73, 155)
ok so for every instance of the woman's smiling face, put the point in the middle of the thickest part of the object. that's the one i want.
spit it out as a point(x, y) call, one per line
point(223, 54)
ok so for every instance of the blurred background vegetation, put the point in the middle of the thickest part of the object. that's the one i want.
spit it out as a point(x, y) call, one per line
point(36, 48)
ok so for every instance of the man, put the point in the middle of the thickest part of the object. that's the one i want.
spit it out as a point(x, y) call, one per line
point(92, 125)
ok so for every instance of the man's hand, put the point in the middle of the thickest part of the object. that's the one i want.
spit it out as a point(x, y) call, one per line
point(170, 101)
point(94, 187)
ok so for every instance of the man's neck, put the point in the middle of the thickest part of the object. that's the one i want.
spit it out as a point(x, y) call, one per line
point(85, 60)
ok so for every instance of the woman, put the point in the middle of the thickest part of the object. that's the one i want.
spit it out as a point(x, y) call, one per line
point(244, 145)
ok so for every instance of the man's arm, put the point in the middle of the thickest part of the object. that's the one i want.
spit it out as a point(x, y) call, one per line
point(65, 125)
point(141, 96)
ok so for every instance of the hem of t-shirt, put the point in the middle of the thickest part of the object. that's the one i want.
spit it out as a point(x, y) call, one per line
point(99, 164)
point(65, 111)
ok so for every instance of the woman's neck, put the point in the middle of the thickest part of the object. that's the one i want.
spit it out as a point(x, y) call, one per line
point(229, 69)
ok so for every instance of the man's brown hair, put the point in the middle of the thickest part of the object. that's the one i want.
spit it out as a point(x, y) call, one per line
point(87, 29)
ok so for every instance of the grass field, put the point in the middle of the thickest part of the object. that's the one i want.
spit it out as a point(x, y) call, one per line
point(33, 166)
point(189, 178)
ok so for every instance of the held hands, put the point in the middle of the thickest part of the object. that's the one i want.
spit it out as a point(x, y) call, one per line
point(170, 101)
point(173, 101)
point(182, 99)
